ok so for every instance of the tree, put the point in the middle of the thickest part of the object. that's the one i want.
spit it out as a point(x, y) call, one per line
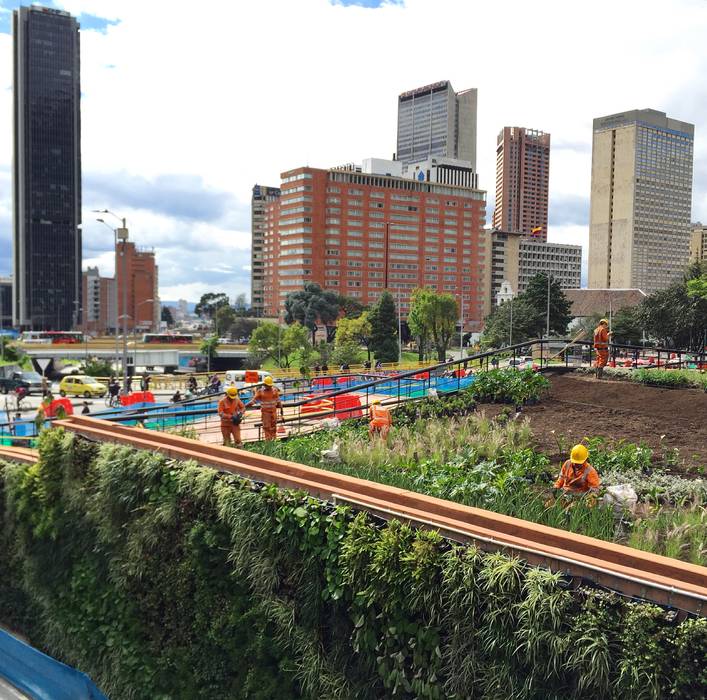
point(224, 318)
point(280, 344)
point(560, 307)
point(243, 328)
point(434, 316)
point(210, 303)
point(166, 316)
point(497, 327)
point(352, 308)
point(626, 325)
point(310, 306)
point(208, 348)
point(384, 329)
point(355, 330)
point(417, 321)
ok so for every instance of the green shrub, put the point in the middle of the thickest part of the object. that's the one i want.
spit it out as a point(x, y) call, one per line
point(618, 456)
point(509, 386)
point(447, 405)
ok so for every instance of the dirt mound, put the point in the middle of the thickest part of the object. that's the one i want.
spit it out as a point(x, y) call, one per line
point(580, 406)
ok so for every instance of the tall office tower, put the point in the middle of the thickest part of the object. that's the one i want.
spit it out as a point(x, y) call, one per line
point(436, 121)
point(259, 200)
point(46, 170)
point(522, 180)
point(363, 232)
point(639, 223)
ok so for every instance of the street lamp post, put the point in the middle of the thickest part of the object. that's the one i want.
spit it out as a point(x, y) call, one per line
point(121, 234)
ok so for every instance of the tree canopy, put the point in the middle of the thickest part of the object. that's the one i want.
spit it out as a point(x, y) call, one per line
point(224, 318)
point(433, 316)
point(210, 303)
point(311, 306)
point(166, 316)
point(384, 329)
point(281, 344)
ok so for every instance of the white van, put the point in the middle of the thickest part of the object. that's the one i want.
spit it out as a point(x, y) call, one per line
point(242, 378)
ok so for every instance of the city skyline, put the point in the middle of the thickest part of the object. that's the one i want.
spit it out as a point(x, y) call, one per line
point(181, 171)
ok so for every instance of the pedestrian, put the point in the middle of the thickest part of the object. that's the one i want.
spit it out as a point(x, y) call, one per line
point(45, 385)
point(176, 397)
point(192, 384)
point(129, 384)
point(577, 475)
point(325, 368)
point(269, 398)
point(85, 410)
point(20, 394)
point(381, 420)
point(113, 390)
point(230, 411)
point(602, 338)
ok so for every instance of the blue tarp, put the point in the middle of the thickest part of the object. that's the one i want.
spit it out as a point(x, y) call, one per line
point(40, 676)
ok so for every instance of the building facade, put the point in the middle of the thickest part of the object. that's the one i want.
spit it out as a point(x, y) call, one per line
point(46, 170)
point(516, 259)
point(641, 199)
point(433, 120)
point(698, 242)
point(261, 196)
point(505, 257)
point(359, 233)
point(522, 181)
point(561, 260)
point(5, 302)
point(98, 303)
point(141, 272)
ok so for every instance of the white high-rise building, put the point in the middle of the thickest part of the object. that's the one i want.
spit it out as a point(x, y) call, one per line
point(436, 121)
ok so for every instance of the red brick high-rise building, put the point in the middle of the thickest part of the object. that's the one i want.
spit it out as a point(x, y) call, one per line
point(522, 180)
point(143, 303)
point(358, 233)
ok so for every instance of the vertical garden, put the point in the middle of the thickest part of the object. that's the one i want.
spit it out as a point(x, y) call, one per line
point(161, 579)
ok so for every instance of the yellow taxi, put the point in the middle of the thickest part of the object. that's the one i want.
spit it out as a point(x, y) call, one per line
point(81, 385)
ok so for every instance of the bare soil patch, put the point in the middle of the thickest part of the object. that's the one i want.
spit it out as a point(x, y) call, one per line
point(579, 406)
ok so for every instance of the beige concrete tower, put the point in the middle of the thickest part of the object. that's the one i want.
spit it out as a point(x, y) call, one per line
point(641, 198)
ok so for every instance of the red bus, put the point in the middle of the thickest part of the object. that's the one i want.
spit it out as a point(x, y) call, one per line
point(167, 339)
point(52, 337)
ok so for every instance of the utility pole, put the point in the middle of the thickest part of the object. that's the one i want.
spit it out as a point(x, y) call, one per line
point(510, 331)
point(122, 234)
point(400, 334)
point(548, 304)
point(461, 327)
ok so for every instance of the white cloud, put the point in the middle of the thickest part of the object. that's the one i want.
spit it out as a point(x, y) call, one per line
point(225, 94)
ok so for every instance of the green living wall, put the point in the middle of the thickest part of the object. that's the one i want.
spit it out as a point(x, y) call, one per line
point(161, 579)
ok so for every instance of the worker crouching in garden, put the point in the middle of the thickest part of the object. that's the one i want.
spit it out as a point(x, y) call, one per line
point(381, 420)
point(269, 398)
point(602, 336)
point(577, 476)
point(230, 411)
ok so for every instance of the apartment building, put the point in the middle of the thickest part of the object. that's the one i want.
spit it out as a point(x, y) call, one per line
point(259, 200)
point(141, 276)
point(358, 233)
point(98, 303)
point(522, 181)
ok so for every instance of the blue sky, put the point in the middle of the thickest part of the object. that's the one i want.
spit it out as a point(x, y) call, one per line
point(183, 110)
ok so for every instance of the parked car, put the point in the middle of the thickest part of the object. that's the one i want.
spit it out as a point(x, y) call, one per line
point(13, 380)
point(82, 385)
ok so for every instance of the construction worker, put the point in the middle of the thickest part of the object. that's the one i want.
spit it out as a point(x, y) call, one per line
point(230, 411)
point(602, 337)
point(381, 420)
point(269, 398)
point(577, 476)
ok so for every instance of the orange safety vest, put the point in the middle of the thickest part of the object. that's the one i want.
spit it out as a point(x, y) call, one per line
point(601, 338)
point(227, 407)
point(573, 479)
point(380, 416)
point(269, 399)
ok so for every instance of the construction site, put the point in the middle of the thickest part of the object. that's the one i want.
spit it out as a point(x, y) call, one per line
point(437, 559)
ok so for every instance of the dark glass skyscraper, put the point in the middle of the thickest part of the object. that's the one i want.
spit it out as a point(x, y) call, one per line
point(46, 169)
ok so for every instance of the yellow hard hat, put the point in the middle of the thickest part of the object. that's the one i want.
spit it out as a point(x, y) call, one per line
point(375, 401)
point(232, 392)
point(579, 454)
point(267, 381)
point(604, 321)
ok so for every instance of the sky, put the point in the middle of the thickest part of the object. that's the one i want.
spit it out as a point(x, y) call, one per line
point(186, 105)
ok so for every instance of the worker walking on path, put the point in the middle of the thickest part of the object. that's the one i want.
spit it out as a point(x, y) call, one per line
point(602, 336)
point(230, 411)
point(269, 398)
point(381, 420)
point(577, 476)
